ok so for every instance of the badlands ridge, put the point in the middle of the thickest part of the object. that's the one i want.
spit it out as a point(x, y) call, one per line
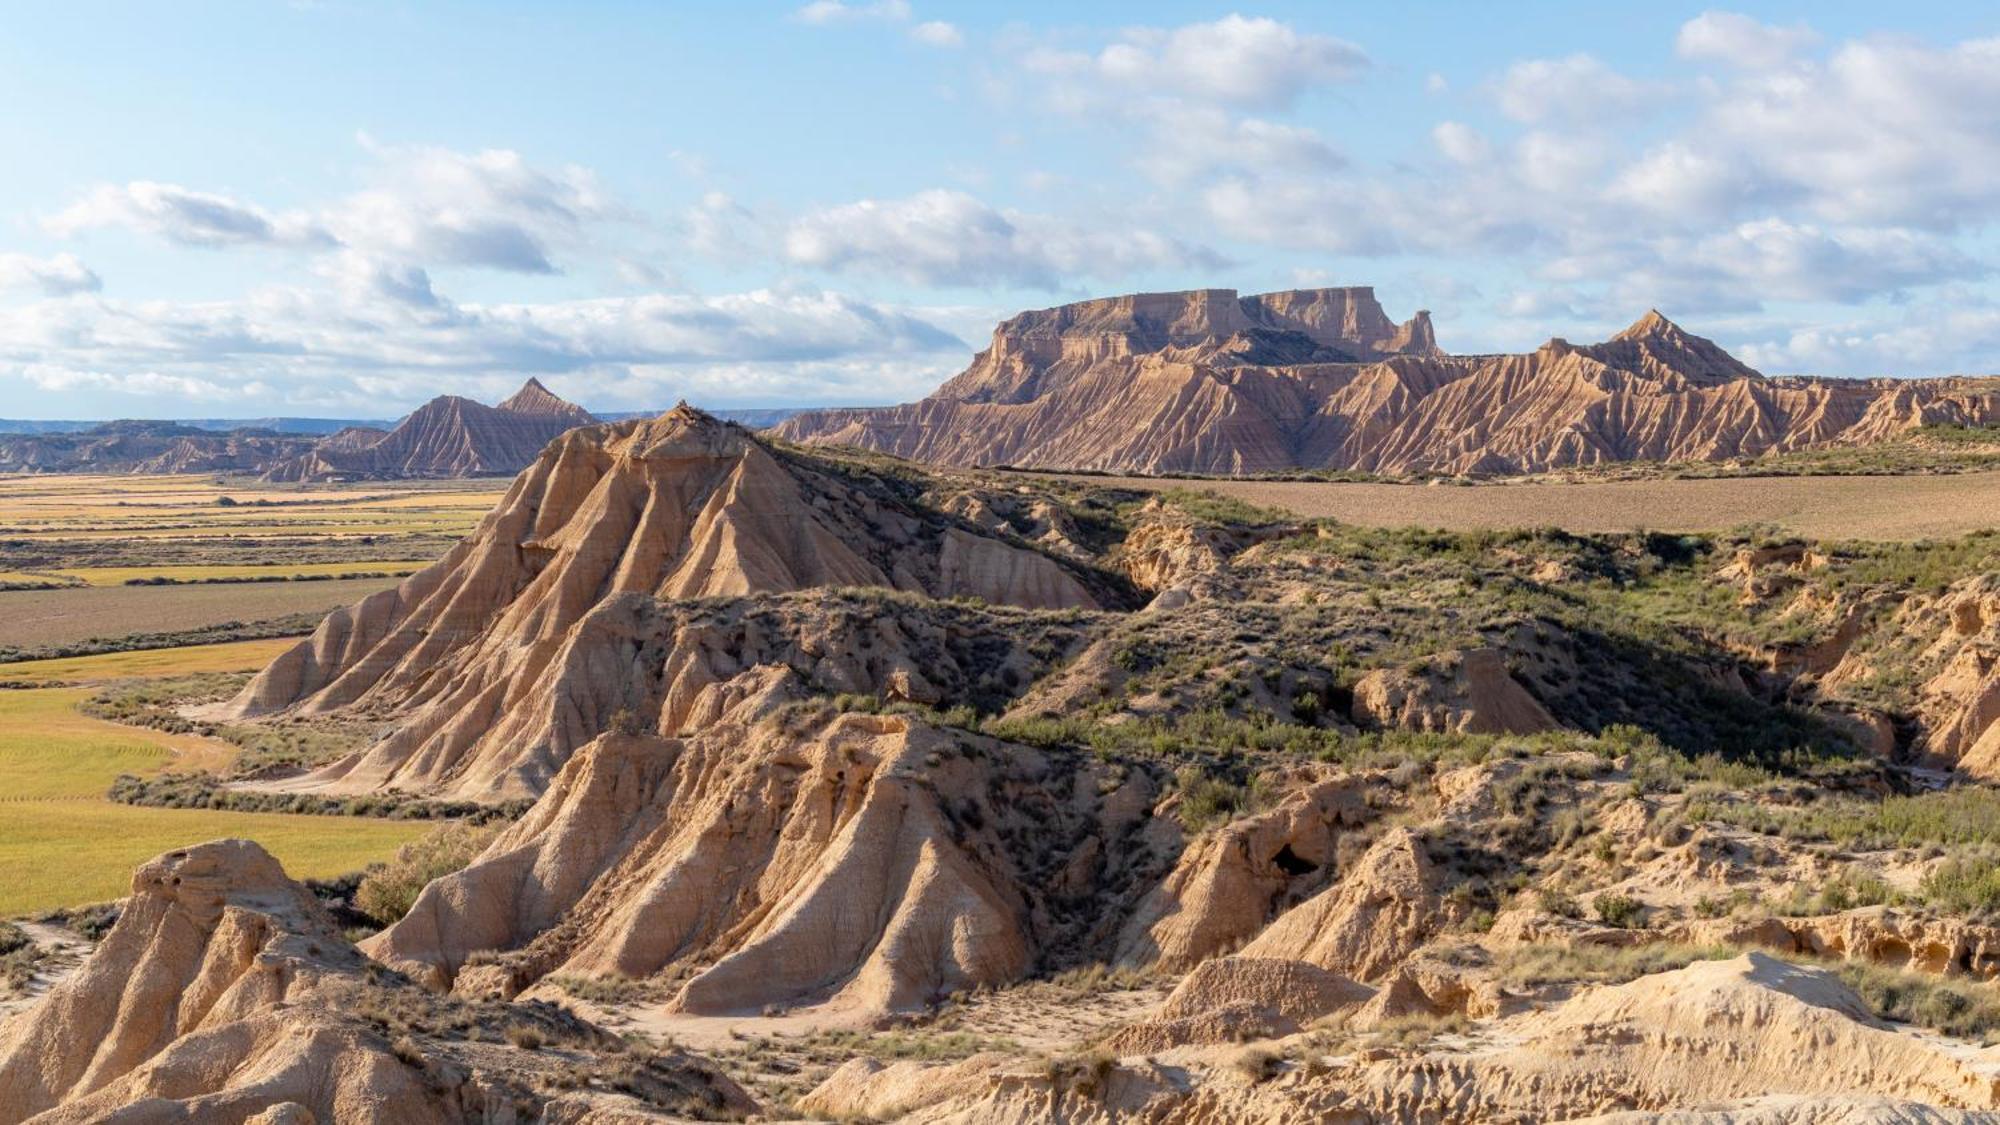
point(1033, 800)
point(1320, 379)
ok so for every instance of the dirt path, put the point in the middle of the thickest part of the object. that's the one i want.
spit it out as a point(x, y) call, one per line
point(1887, 507)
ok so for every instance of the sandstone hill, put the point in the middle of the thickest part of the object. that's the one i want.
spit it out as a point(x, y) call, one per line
point(1206, 382)
point(448, 436)
point(530, 637)
point(226, 993)
point(905, 793)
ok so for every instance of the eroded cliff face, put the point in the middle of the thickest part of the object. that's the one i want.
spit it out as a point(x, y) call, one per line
point(1320, 379)
point(225, 992)
point(531, 636)
point(858, 863)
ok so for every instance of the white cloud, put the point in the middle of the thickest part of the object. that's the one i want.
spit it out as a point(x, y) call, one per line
point(1741, 41)
point(425, 205)
point(354, 348)
point(55, 276)
point(822, 12)
point(1575, 89)
point(1461, 143)
point(945, 237)
point(1238, 62)
point(938, 33)
point(184, 216)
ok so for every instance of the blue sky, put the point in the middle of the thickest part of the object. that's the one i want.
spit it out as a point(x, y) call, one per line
point(344, 208)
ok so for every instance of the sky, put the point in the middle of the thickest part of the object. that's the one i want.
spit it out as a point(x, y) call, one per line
point(340, 208)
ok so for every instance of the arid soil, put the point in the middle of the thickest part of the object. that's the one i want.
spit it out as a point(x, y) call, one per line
point(1833, 507)
point(856, 790)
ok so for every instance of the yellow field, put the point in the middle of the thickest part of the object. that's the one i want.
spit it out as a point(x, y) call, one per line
point(102, 507)
point(238, 656)
point(69, 853)
point(120, 575)
point(63, 844)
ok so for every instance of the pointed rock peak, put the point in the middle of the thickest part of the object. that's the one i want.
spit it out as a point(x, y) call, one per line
point(1651, 325)
point(534, 398)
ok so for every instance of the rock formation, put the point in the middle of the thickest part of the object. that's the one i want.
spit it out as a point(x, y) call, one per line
point(448, 436)
point(528, 638)
point(225, 993)
point(867, 864)
point(1208, 382)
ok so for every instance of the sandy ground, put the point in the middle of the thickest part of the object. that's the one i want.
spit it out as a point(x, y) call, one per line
point(1887, 507)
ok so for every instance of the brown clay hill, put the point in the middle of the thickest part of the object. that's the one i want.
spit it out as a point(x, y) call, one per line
point(448, 436)
point(1318, 379)
point(225, 992)
point(529, 638)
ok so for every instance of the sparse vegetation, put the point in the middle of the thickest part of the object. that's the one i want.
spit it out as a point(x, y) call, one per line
point(387, 891)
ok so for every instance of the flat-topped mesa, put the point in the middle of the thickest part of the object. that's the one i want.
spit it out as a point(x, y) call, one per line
point(1210, 382)
point(1326, 325)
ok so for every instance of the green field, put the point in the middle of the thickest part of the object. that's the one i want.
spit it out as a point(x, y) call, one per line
point(63, 844)
point(237, 656)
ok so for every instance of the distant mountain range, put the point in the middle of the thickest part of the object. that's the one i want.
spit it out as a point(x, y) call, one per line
point(1210, 382)
point(448, 436)
point(281, 425)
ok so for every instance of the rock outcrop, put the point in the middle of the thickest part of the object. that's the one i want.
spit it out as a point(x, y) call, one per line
point(1461, 692)
point(1369, 922)
point(224, 992)
point(863, 865)
point(576, 601)
point(448, 436)
point(1208, 382)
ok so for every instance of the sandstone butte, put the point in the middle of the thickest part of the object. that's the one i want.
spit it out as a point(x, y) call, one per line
point(788, 726)
point(1209, 382)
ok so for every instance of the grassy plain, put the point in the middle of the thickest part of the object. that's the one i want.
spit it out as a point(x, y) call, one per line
point(63, 844)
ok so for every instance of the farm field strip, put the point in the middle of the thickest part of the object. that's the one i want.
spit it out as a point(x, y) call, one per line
point(120, 575)
point(38, 618)
point(235, 656)
point(62, 843)
point(1830, 508)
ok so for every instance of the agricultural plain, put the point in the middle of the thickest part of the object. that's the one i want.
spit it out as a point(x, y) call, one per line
point(65, 844)
point(114, 579)
point(1902, 508)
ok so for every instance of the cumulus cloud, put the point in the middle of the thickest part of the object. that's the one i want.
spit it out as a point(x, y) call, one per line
point(945, 237)
point(824, 12)
point(938, 33)
point(352, 346)
point(1236, 61)
point(1741, 41)
point(1578, 88)
point(425, 204)
point(185, 217)
point(55, 276)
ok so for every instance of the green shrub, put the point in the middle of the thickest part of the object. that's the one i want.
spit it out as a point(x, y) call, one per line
point(388, 891)
point(1618, 910)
